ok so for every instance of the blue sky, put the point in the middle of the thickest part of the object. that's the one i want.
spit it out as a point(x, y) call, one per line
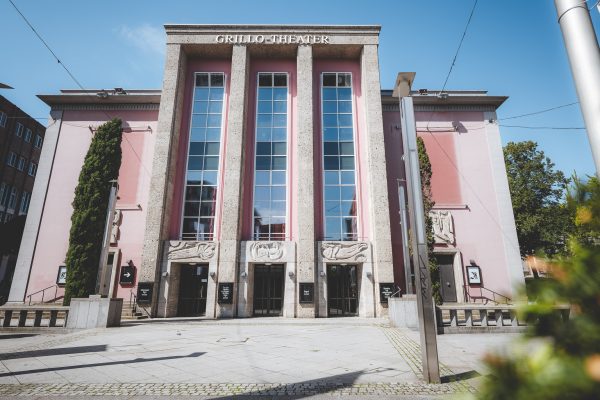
point(513, 48)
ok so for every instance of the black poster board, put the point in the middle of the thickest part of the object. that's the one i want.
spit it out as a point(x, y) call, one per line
point(385, 291)
point(225, 293)
point(127, 275)
point(307, 292)
point(144, 292)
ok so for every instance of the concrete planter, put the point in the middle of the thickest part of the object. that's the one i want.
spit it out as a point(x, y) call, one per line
point(94, 312)
point(403, 312)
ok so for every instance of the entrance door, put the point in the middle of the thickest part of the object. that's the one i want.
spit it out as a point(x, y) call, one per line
point(192, 290)
point(268, 290)
point(447, 282)
point(342, 290)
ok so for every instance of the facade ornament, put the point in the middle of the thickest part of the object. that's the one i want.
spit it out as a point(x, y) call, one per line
point(267, 251)
point(185, 250)
point(443, 227)
point(352, 251)
point(116, 226)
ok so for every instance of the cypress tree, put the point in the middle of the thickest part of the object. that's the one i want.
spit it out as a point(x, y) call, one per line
point(428, 203)
point(101, 165)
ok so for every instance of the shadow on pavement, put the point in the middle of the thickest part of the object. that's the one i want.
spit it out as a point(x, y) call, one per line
point(463, 376)
point(298, 390)
point(53, 352)
point(135, 361)
point(17, 335)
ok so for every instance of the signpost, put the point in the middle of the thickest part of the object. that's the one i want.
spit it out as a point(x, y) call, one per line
point(385, 292)
point(144, 292)
point(127, 275)
point(307, 292)
point(418, 236)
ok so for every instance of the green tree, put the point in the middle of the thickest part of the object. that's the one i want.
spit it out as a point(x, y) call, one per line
point(428, 203)
point(563, 362)
point(537, 191)
point(101, 165)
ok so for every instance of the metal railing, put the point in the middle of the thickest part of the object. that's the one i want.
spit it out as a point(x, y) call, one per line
point(489, 295)
point(134, 306)
point(43, 292)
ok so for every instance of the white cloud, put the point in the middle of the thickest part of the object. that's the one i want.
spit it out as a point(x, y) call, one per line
point(145, 37)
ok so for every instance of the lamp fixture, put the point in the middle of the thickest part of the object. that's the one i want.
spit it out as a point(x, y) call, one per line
point(244, 274)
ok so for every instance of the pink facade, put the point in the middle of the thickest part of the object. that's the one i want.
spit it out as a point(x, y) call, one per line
point(134, 181)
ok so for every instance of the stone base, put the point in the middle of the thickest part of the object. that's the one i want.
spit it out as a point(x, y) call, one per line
point(403, 312)
point(94, 312)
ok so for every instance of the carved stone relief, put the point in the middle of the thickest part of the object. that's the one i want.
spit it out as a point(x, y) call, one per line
point(443, 227)
point(351, 251)
point(184, 250)
point(116, 226)
point(267, 251)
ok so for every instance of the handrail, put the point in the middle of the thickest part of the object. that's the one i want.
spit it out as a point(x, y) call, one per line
point(506, 300)
point(43, 291)
point(134, 304)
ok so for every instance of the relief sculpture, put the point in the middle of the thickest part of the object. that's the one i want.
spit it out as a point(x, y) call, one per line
point(443, 227)
point(185, 250)
point(344, 251)
point(266, 251)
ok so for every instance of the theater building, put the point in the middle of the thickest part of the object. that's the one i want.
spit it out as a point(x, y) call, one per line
point(263, 180)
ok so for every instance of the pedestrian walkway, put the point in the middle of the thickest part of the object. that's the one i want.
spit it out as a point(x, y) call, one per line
point(220, 359)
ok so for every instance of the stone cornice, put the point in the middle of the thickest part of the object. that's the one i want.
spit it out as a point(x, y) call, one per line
point(442, 107)
point(105, 107)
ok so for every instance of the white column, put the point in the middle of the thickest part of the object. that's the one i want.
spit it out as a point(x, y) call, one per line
point(26, 256)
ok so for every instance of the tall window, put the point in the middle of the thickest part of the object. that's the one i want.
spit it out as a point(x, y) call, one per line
point(38, 141)
point(3, 118)
point(19, 129)
point(25, 198)
point(203, 157)
point(28, 134)
point(339, 177)
point(271, 157)
point(21, 164)
point(32, 168)
point(12, 201)
point(12, 159)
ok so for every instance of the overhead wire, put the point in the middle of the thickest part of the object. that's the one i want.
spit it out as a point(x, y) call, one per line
point(72, 76)
point(539, 112)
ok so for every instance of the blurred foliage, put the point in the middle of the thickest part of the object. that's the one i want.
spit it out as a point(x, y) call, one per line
point(559, 359)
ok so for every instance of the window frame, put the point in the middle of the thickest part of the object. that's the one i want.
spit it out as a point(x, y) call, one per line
point(12, 201)
point(39, 141)
point(19, 128)
point(288, 134)
point(358, 192)
point(3, 119)
point(217, 213)
point(12, 159)
point(33, 166)
point(25, 200)
point(21, 163)
point(28, 135)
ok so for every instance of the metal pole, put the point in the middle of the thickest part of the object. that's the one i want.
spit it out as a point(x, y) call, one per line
point(584, 57)
point(405, 245)
point(110, 212)
point(418, 237)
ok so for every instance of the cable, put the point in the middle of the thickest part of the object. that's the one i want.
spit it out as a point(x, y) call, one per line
point(542, 127)
point(74, 79)
point(46, 44)
point(456, 54)
point(539, 112)
point(459, 45)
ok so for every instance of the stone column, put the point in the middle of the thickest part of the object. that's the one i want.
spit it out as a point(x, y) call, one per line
point(163, 168)
point(305, 254)
point(233, 176)
point(20, 281)
point(376, 170)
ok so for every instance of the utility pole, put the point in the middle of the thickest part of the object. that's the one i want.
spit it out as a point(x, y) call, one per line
point(584, 57)
point(418, 236)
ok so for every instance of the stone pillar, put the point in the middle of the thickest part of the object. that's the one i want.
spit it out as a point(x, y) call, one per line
point(377, 175)
point(163, 168)
point(305, 256)
point(20, 280)
point(233, 176)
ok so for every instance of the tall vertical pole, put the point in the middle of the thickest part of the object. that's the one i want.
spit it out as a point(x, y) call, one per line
point(584, 57)
point(110, 212)
point(418, 237)
point(408, 276)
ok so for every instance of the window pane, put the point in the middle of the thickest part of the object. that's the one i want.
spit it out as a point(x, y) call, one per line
point(214, 120)
point(331, 163)
point(330, 148)
point(347, 177)
point(200, 107)
point(348, 208)
point(278, 178)
point(265, 80)
point(198, 120)
point(330, 107)
point(216, 94)
point(201, 79)
point(330, 134)
point(265, 107)
point(213, 134)
point(208, 193)
point(330, 120)
point(332, 209)
point(278, 208)
point(201, 94)
point(192, 193)
point(195, 163)
point(265, 94)
point(194, 177)
point(278, 193)
point(216, 80)
point(264, 120)
point(280, 80)
point(344, 106)
point(332, 193)
point(196, 149)
point(263, 134)
point(279, 148)
point(215, 107)
point(262, 178)
point(191, 208)
point(280, 94)
point(263, 163)
point(347, 148)
point(263, 148)
point(346, 134)
point(345, 119)
point(210, 178)
point(198, 134)
point(331, 178)
point(262, 193)
point(348, 193)
point(279, 163)
point(280, 106)
point(346, 163)
point(344, 94)
point(212, 149)
point(279, 134)
point(329, 94)
point(279, 120)
point(211, 163)
point(329, 80)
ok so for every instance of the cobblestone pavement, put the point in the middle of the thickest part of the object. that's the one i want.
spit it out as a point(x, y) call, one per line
point(264, 358)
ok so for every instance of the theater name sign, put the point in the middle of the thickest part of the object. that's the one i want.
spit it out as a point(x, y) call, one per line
point(272, 39)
